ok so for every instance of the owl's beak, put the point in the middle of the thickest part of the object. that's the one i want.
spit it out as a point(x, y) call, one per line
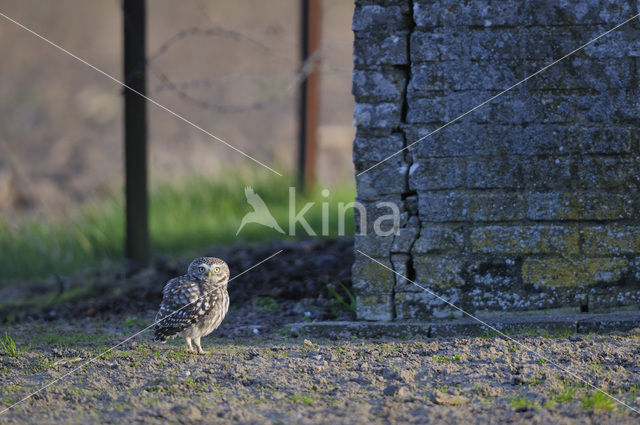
point(209, 274)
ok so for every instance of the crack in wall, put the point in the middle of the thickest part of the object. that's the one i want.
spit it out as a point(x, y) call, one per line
point(400, 259)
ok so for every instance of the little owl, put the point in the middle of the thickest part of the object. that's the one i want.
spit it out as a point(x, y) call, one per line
point(194, 304)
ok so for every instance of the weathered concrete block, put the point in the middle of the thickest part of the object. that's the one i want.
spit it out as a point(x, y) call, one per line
point(428, 174)
point(498, 140)
point(492, 276)
point(435, 45)
point(438, 238)
point(621, 43)
point(428, 13)
point(599, 139)
point(375, 17)
point(562, 148)
point(370, 278)
point(573, 273)
point(379, 50)
point(379, 86)
point(406, 237)
point(580, 73)
point(537, 43)
point(388, 178)
point(369, 150)
point(373, 245)
point(611, 240)
point(518, 173)
point(412, 306)
point(439, 271)
point(540, 107)
point(383, 115)
point(426, 305)
point(543, 239)
point(611, 173)
point(617, 106)
point(375, 307)
point(448, 44)
point(427, 78)
point(579, 206)
point(380, 216)
point(470, 207)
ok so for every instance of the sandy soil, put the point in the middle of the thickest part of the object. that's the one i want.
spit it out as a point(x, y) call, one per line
point(269, 377)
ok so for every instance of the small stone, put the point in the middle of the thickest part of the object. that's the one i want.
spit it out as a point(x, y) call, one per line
point(448, 399)
point(403, 392)
point(308, 343)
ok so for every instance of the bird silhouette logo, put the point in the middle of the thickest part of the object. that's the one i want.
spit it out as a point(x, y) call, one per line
point(260, 213)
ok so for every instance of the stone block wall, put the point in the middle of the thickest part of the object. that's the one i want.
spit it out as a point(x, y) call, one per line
point(529, 202)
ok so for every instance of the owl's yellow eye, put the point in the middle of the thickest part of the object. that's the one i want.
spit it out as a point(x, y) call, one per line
point(201, 269)
point(217, 270)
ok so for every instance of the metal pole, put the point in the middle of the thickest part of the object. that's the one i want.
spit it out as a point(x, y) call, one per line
point(135, 132)
point(309, 92)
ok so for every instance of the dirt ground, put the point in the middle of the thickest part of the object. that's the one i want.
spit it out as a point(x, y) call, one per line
point(260, 371)
point(253, 376)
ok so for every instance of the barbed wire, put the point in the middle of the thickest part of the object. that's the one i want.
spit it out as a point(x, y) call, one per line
point(324, 68)
point(315, 62)
point(305, 70)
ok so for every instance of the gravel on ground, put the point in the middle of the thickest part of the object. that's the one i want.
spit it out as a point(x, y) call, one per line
point(255, 375)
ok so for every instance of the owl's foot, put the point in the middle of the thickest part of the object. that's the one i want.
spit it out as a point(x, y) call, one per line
point(190, 349)
point(199, 347)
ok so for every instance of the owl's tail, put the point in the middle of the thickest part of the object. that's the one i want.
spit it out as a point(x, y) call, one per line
point(160, 335)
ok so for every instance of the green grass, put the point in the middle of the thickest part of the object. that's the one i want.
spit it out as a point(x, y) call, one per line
point(186, 216)
point(9, 346)
point(567, 395)
point(597, 400)
point(338, 301)
point(134, 322)
point(301, 399)
point(266, 304)
point(444, 359)
point(520, 402)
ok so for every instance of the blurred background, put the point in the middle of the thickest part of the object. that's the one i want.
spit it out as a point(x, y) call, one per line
point(231, 67)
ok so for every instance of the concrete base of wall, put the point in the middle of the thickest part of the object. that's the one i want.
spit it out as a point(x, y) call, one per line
point(552, 324)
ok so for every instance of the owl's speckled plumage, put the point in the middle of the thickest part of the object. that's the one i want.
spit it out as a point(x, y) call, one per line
point(194, 304)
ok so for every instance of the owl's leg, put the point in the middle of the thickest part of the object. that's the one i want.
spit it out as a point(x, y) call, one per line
point(200, 350)
point(189, 346)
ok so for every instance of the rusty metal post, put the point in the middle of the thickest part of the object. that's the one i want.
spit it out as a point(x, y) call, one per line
point(309, 108)
point(135, 132)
